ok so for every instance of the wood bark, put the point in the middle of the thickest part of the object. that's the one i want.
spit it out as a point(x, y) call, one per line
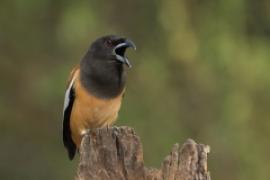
point(116, 154)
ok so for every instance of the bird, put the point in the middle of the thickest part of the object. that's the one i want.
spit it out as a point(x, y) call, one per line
point(95, 89)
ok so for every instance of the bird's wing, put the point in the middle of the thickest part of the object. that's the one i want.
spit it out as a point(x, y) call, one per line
point(68, 103)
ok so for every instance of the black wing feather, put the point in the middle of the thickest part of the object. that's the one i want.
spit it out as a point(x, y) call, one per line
point(67, 139)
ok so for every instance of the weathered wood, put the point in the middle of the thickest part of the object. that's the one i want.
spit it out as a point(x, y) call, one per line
point(116, 154)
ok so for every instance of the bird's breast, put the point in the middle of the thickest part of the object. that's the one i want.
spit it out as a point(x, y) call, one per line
point(91, 112)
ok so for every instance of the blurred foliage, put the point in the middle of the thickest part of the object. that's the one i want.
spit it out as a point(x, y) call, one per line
point(201, 70)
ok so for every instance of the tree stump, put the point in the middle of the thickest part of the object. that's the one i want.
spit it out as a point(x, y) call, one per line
point(116, 154)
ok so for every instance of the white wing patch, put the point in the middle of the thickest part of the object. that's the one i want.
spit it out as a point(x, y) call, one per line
point(67, 100)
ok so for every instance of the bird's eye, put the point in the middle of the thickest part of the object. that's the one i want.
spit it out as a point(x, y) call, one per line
point(109, 43)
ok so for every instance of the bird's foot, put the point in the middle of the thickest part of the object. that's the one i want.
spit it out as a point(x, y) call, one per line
point(85, 131)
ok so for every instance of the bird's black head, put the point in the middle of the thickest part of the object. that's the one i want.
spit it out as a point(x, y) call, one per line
point(111, 48)
point(102, 69)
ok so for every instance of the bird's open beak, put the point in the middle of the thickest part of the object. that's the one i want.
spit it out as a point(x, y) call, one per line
point(119, 51)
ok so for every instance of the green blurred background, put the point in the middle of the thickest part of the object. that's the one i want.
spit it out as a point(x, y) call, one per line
point(201, 70)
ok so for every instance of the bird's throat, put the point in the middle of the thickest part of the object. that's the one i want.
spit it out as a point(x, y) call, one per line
point(103, 80)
